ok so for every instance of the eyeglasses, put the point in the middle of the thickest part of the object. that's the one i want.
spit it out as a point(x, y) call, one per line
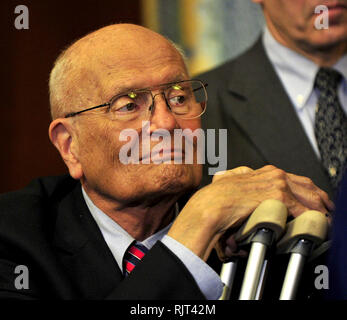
point(185, 99)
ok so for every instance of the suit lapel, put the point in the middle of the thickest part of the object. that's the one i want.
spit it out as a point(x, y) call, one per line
point(266, 115)
point(81, 249)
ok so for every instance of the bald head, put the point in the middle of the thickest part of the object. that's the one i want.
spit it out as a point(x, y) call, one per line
point(81, 72)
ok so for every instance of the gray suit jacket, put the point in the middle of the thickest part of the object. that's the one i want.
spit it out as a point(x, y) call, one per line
point(246, 96)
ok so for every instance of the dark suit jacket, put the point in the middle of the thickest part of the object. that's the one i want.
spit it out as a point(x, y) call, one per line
point(338, 253)
point(48, 228)
point(246, 96)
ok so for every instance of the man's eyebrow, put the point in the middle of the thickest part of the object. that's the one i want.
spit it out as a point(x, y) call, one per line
point(124, 89)
point(120, 90)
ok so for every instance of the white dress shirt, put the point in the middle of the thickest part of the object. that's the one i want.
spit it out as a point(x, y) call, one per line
point(118, 241)
point(297, 74)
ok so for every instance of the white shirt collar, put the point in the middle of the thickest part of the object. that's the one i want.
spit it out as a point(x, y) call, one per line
point(341, 66)
point(297, 73)
point(117, 239)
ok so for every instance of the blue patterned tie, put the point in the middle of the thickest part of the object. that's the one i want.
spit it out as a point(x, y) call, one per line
point(133, 256)
point(331, 125)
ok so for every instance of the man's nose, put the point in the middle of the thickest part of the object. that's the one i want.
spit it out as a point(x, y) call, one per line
point(162, 117)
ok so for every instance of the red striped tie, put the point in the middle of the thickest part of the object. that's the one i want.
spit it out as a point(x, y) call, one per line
point(133, 256)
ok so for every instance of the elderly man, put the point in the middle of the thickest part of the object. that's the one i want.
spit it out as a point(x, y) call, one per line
point(284, 100)
point(81, 237)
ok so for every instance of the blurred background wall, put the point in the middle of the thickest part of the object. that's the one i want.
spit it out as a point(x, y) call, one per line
point(210, 32)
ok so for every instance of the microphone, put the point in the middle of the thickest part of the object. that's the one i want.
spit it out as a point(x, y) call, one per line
point(265, 225)
point(302, 235)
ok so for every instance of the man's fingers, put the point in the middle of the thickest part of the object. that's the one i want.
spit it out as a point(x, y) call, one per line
point(309, 198)
point(223, 174)
point(268, 168)
point(227, 247)
point(296, 209)
point(307, 183)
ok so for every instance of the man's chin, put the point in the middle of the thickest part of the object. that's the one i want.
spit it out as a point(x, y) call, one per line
point(330, 39)
point(167, 180)
point(175, 178)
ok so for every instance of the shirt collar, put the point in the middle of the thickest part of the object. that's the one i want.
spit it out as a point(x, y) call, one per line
point(341, 66)
point(117, 239)
point(297, 73)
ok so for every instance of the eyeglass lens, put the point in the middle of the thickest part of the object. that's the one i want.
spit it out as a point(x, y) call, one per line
point(186, 100)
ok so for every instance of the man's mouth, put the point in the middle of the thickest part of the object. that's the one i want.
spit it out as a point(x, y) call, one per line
point(336, 7)
point(336, 4)
point(335, 10)
point(163, 155)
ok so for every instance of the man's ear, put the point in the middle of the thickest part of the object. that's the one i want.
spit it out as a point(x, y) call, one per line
point(60, 135)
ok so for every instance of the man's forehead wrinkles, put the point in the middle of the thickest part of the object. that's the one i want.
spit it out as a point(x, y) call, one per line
point(139, 52)
point(119, 73)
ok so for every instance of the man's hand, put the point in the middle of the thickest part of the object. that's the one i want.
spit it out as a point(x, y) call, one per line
point(232, 196)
